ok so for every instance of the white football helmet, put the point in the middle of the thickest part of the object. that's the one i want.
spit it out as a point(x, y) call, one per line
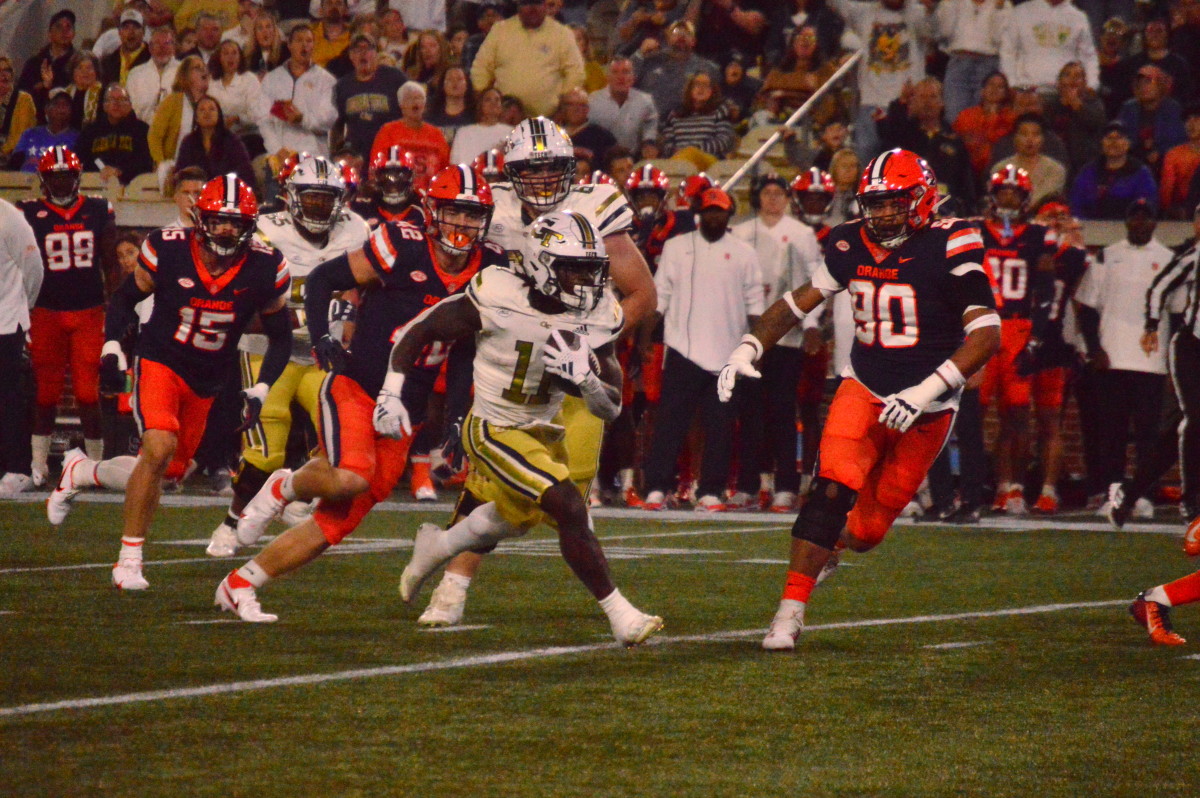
point(564, 258)
point(316, 191)
point(539, 160)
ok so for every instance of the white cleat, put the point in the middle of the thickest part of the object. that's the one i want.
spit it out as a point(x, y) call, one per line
point(264, 508)
point(426, 493)
point(242, 602)
point(38, 478)
point(13, 484)
point(224, 542)
point(829, 567)
point(296, 513)
point(426, 557)
point(127, 575)
point(786, 627)
point(446, 606)
point(1143, 510)
point(58, 505)
point(635, 628)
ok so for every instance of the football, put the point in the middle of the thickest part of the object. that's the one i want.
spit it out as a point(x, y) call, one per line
point(572, 341)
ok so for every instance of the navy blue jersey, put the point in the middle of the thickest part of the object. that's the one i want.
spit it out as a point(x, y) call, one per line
point(197, 319)
point(410, 282)
point(376, 213)
point(908, 302)
point(1070, 263)
point(1011, 261)
point(69, 239)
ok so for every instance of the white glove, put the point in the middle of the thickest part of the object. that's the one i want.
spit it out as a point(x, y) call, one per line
point(901, 409)
point(573, 365)
point(391, 416)
point(740, 363)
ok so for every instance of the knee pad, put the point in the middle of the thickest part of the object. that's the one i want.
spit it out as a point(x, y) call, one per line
point(824, 513)
point(248, 481)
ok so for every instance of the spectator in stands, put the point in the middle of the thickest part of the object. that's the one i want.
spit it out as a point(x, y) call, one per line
point(591, 141)
point(969, 31)
point(1185, 33)
point(115, 145)
point(816, 13)
point(845, 169)
point(187, 15)
point(530, 57)
point(1048, 176)
point(57, 130)
point(411, 132)
point(212, 147)
point(830, 138)
point(1116, 72)
point(512, 110)
point(176, 114)
point(453, 103)
point(242, 33)
point(801, 73)
point(1042, 37)
point(331, 35)
point(1156, 51)
point(367, 98)
point(149, 83)
point(915, 122)
point(1178, 169)
point(594, 78)
point(422, 14)
point(894, 34)
point(208, 37)
point(1027, 102)
point(301, 97)
point(239, 92)
point(640, 20)
point(490, 12)
point(109, 40)
point(981, 126)
point(48, 66)
point(739, 89)
point(1107, 186)
point(268, 50)
point(1111, 302)
point(84, 89)
point(723, 26)
point(628, 113)
point(487, 133)
point(698, 325)
point(1076, 114)
point(188, 184)
point(132, 52)
point(1153, 118)
point(663, 72)
point(20, 281)
point(619, 164)
point(427, 58)
point(699, 131)
point(17, 110)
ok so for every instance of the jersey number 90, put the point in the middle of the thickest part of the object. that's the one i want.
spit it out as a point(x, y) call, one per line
point(886, 313)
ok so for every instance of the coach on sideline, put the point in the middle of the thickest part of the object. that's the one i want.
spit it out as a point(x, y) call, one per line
point(20, 282)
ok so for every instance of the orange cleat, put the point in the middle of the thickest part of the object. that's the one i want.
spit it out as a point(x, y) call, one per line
point(631, 497)
point(1157, 620)
point(1046, 505)
point(1191, 538)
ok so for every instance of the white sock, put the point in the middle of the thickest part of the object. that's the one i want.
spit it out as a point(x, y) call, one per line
point(131, 549)
point(285, 487)
point(94, 447)
point(41, 453)
point(1159, 595)
point(626, 476)
point(1049, 490)
point(456, 579)
point(766, 481)
point(483, 527)
point(253, 573)
point(1003, 488)
point(615, 605)
point(112, 474)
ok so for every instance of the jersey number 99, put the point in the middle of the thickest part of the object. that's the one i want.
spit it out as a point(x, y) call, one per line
point(64, 250)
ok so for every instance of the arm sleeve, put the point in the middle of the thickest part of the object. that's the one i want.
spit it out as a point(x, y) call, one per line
point(332, 275)
point(321, 114)
point(1165, 282)
point(459, 378)
point(278, 328)
point(483, 68)
point(1090, 290)
point(121, 314)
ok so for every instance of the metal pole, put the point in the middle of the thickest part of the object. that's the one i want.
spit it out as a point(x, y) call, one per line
point(793, 119)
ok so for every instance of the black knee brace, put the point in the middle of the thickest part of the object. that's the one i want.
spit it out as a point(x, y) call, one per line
point(824, 513)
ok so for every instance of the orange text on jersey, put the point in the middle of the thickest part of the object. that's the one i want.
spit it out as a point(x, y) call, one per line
point(877, 273)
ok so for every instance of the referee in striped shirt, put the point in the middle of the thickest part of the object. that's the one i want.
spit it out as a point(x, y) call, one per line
point(1180, 435)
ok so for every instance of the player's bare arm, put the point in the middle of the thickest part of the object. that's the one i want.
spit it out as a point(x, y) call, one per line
point(777, 321)
point(631, 276)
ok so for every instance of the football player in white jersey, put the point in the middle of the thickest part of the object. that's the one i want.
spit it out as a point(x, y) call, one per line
point(313, 228)
point(539, 164)
point(544, 327)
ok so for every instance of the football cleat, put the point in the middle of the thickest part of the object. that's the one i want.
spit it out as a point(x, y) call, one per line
point(740, 501)
point(964, 515)
point(912, 510)
point(709, 504)
point(37, 478)
point(635, 628)
point(1046, 505)
point(786, 626)
point(265, 507)
point(631, 498)
point(127, 575)
point(1143, 510)
point(655, 500)
point(58, 505)
point(242, 602)
point(829, 567)
point(1014, 503)
point(1157, 620)
point(426, 557)
point(13, 484)
point(224, 542)
point(426, 493)
point(783, 502)
point(1191, 538)
point(297, 512)
point(446, 606)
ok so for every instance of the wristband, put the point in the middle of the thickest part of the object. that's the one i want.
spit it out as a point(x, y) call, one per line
point(791, 303)
point(393, 383)
point(754, 343)
point(950, 374)
point(114, 348)
point(258, 391)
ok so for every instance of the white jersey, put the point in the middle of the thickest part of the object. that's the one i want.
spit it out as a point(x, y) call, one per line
point(277, 230)
point(512, 388)
point(604, 206)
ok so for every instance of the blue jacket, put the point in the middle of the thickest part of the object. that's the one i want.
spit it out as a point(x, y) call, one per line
point(1099, 193)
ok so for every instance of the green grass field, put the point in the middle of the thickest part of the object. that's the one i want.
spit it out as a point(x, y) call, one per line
point(892, 692)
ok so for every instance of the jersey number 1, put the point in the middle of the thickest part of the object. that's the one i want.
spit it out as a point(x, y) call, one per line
point(204, 332)
point(874, 307)
point(516, 391)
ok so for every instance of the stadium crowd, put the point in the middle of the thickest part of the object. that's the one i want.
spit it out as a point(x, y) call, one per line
point(1032, 116)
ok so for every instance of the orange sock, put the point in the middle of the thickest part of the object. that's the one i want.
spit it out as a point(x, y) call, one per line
point(799, 587)
point(1184, 591)
point(421, 472)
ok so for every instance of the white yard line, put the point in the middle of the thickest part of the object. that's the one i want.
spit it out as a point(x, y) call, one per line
point(949, 646)
point(504, 657)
